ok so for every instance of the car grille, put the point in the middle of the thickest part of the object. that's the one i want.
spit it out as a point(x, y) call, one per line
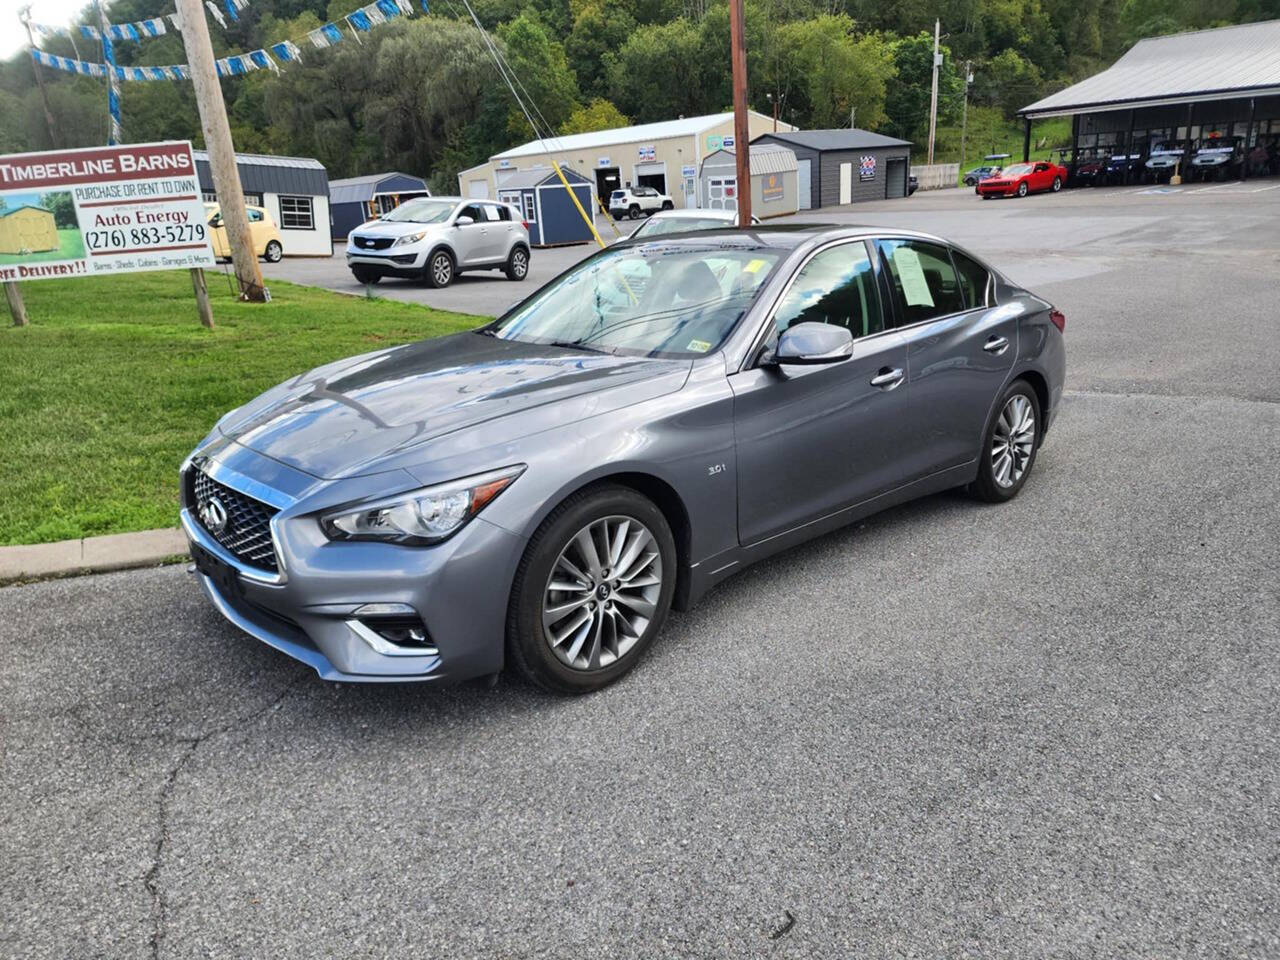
point(247, 531)
point(372, 243)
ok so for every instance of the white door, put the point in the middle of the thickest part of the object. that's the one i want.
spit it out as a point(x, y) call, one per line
point(803, 183)
point(846, 183)
point(478, 189)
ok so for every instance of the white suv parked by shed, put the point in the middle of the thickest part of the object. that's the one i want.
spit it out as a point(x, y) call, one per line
point(436, 238)
point(635, 201)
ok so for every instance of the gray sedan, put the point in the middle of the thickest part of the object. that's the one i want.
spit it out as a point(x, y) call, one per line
point(538, 493)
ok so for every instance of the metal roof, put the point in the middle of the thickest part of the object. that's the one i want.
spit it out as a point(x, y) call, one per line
point(265, 173)
point(1202, 65)
point(26, 206)
point(663, 130)
point(851, 138)
point(362, 189)
point(536, 176)
point(765, 158)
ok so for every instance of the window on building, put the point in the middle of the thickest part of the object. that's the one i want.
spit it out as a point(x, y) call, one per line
point(296, 213)
point(530, 208)
point(209, 196)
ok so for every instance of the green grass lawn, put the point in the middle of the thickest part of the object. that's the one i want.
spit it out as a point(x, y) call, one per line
point(70, 247)
point(114, 382)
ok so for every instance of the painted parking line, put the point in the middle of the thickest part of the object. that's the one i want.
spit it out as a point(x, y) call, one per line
point(1216, 186)
point(1274, 186)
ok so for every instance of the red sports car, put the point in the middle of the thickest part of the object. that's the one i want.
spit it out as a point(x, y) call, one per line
point(1022, 178)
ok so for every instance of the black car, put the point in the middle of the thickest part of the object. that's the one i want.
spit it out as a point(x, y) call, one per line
point(913, 184)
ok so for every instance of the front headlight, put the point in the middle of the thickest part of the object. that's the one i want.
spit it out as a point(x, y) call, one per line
point(409, 238)
point(424, 516)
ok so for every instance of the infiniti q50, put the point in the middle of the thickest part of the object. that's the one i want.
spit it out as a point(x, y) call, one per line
point(539, 492)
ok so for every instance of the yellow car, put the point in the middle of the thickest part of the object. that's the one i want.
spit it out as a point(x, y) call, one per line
point(266, 238)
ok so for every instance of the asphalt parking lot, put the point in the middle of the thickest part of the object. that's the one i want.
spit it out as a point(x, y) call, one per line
point(1046, 729)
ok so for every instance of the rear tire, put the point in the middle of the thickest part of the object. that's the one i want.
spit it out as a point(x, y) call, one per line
point(517, 267)
point(1057, 184)
point(1009, 445)
point(616, 622)
point(440, 269)
point(634, 212)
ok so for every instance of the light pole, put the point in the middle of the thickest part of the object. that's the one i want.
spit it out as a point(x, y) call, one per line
point(933, 96)
point(964, 111)
point(741, 130)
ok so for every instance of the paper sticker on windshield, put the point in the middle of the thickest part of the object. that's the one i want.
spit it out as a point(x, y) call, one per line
point(914, 285)
point(698, 346)
point(753, 267)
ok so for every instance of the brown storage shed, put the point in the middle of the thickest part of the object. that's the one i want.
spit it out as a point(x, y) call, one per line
point(27, 230)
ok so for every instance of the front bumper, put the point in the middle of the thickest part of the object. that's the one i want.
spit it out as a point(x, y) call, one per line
point(459, 589)
point(993, 190)
point(394, 260)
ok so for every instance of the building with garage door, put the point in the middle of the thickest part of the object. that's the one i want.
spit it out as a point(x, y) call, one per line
point(551, 215)
point(774, 191)
point(835, 167)
point(353, 200)
point(27, 229)
point(665, 156)
point(293, 190)
point(1185, 92)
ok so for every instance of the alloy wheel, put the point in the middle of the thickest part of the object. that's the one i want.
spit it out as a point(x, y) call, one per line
point(519, 263)
point(442, 270)
point(602, 593)
point(1013, 441)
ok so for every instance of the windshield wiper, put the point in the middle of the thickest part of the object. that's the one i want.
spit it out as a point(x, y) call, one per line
point(579, 344)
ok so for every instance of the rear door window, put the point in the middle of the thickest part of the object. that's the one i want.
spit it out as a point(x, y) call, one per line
point(922, 280)
point(837, 286)
point(975, 280)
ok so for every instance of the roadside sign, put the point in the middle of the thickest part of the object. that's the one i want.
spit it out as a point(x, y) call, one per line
point(101, 210)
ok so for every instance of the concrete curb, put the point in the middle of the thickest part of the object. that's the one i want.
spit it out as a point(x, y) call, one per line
point(119, 551)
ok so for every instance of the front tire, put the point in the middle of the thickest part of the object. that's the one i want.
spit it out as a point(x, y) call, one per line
point(1022, 189)
point(274, 252)
point(1009, 445)
point(668, 205)
point(439, 269)
point(517, 267)
point(592, 591)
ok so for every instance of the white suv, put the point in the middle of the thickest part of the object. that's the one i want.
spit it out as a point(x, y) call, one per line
point(634, 201)
point(436, 238)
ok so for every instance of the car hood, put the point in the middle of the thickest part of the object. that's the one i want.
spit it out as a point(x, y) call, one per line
point(359, 415)
point(396, 228)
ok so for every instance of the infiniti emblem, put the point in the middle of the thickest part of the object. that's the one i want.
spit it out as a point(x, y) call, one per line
point(213, 515)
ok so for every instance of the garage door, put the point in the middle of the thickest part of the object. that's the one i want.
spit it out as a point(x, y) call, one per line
point(478, 189)
point(652, 175)
point(895, 177)
point(803, 183)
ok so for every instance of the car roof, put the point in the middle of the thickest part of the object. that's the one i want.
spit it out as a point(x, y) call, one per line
point(787, 237)
point(694, 212)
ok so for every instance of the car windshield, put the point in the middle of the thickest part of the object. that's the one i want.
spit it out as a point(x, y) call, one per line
point(1017, 170)
point(651, 300)
point(422, 210)
point(656, 226)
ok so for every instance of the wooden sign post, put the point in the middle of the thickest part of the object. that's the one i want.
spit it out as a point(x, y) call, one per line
point(17, 309)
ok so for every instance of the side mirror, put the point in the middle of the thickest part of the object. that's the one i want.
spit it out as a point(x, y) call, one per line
point(811, 343)
point(463, 222)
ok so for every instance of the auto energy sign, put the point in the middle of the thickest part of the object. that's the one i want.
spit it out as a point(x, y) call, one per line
point(101, 210)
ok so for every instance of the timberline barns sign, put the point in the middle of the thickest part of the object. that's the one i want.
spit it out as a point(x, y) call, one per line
point(101, 210)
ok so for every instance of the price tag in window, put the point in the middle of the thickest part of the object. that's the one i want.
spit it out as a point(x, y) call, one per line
point(914, 285)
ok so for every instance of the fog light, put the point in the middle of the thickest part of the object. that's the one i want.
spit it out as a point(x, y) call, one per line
point(393, 636)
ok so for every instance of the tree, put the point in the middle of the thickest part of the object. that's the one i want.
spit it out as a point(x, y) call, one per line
point(656, 74)
point(538, 61)
point(63, 208)
point(1007, 81)
point(599, 114)
point(907, 101)
point(600, 27)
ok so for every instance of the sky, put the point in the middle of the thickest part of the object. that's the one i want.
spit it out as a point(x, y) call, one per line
point(56, 13)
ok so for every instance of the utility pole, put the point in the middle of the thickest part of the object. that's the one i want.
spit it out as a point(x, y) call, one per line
point(964, 111)
point(25, 16)
point(933, 97)
point(222, 155)
point(741, 130)
point(853, 118)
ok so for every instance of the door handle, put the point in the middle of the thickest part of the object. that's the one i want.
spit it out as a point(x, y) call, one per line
point(996, 345)
point(887, 378)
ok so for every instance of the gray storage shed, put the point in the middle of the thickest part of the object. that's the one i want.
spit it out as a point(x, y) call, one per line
point(835, 167)
point(774, 192)
point(353, 200)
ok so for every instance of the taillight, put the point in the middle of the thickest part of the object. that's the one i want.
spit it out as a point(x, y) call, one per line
point(525, 224)
point(1059, 320)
